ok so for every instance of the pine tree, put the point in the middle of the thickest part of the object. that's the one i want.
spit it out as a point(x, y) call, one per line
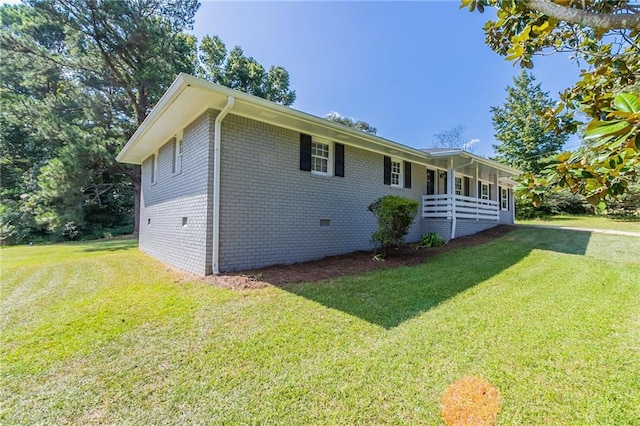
point(521, 129)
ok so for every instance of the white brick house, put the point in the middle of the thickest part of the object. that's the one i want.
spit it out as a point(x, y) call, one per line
point(231, 181)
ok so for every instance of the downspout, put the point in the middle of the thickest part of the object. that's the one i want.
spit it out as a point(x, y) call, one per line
point(216, 183)
point(453, 197)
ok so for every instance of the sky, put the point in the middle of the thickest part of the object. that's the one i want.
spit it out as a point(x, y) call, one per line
point(410, 69)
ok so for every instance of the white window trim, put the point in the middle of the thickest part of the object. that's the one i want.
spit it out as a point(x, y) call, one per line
point(482, 186)
point(177, 157)
point(504, 198)
point(400, 183)
point(329, 171)
point(154, 169)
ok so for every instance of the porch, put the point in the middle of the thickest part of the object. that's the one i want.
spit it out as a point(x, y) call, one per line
point(465, 195)
point(448, 206)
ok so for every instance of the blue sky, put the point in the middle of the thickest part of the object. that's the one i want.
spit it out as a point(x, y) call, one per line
point(411, 69)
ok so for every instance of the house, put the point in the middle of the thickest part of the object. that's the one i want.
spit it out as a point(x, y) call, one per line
point(231, 182)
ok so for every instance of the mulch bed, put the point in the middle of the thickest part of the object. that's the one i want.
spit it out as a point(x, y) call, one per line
point(347, 264)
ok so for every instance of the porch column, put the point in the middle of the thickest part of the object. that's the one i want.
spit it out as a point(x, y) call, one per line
point(497, 196)
point(474, 192)
point(451, 186)
point(451, 179)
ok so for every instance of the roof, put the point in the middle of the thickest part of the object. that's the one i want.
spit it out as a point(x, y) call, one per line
point(189, 97)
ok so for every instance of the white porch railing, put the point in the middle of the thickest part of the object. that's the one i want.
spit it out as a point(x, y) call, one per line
point(441, 207)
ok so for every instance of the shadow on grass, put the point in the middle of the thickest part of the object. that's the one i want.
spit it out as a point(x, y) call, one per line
point(113, 245)
point(389, 297)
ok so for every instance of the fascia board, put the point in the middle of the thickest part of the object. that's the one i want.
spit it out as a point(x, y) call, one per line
point(178, 85)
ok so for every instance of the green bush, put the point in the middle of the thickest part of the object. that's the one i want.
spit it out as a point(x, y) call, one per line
point(554, 203)
point(431, 239)
point(394, 216)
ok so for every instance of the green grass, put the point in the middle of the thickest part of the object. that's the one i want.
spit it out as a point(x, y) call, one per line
point(99, 333)
point(587, 221)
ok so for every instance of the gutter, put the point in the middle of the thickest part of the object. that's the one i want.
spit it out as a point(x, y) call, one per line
point(453, 201)
point(216, 182)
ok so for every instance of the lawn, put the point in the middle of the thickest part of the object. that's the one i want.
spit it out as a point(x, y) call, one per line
point(587, 221)
point(99, 333)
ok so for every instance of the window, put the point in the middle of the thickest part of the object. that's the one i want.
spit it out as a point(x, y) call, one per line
point(396, 173)
point(176, 163)
point(154, 167)
point(504, 198)
point(484, 191)
point(320, 158)
point(458, 186)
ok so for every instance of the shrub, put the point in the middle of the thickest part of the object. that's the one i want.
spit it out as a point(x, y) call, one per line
point(554, 203)
point(70, 231)
point(394, 216)
point(431, 239)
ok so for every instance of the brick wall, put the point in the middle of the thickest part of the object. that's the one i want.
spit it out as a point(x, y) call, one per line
point(441, 226)
point(271, 210)
point(174, 197)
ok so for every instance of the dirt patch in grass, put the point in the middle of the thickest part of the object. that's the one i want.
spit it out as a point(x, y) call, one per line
point(346, 264)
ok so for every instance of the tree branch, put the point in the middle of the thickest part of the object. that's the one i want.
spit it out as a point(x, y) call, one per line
point(585, 18)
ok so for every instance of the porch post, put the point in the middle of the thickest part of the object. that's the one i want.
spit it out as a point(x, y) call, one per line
point(497, 196)
point(475, 184)
point(451, 179)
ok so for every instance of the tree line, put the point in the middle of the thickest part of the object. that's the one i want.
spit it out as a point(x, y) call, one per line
point(77, 78)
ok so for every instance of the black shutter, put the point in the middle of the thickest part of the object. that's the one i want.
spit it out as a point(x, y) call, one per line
point(339, 159)
point(387, 170)
point(305, 152)
point(479, 190)
point(467, 186)
point(490, 191)
point(407, 174)
point(431, 178)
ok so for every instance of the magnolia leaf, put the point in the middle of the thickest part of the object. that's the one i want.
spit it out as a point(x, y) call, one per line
point(627, 102)
point(603, 128)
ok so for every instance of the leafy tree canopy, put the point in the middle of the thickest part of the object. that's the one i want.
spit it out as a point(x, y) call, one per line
point(605, 35)
point(86, 74)
point(237, 71)
point(363, 126)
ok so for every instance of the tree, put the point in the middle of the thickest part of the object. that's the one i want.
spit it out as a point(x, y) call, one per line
point(454, 138)
point(237, 71)
point(363, 126)
point(128, 52)
point(605, 36)
point(106, 64)
point(523, 133)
